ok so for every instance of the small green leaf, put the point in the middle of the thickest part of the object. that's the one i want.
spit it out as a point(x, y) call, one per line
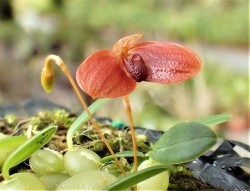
point(25, 150)
point(215, 119)
point(122, 154)
point(8, 145)
point(183, 142)
point(135, 178)
point(81, 119)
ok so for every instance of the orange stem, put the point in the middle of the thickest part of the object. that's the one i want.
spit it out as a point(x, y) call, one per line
point(131, 124)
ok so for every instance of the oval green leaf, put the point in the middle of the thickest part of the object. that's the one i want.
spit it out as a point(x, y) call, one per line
point(183, 142)
point(25, 150)
point(135, 178)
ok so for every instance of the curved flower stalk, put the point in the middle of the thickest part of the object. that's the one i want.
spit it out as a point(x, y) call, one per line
point(47, 81)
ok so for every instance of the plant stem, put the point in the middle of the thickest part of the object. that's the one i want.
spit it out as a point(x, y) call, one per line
point(64, 68)
point(131, 125)
point(81, 119)
point(128, 109)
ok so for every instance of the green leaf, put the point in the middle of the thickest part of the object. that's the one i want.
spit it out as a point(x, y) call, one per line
point(183, 142)
point(215, 119)
point(8, 145)
point(81, 119)
point(135, 178)
point(122, 154)
point(25, 150)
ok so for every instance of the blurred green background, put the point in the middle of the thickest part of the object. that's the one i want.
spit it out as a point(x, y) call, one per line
point(216, 29)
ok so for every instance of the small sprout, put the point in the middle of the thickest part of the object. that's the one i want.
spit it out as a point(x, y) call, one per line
point(26, 149)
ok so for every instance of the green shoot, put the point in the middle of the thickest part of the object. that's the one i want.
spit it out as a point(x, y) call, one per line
point(81, 119)
point(123, 154)
point(8, 145)
point(25, 150)
point(135, 178)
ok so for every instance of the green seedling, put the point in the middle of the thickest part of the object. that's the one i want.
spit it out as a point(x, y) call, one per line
point(26, 149)
point(135, 178)
point(123, 154)
point(81, 119)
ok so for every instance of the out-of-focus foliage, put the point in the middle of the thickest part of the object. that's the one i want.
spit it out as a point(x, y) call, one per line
point(84, 25)
point(209, 20)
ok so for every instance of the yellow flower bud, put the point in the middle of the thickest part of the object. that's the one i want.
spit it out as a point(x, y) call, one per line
point(47, 77)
